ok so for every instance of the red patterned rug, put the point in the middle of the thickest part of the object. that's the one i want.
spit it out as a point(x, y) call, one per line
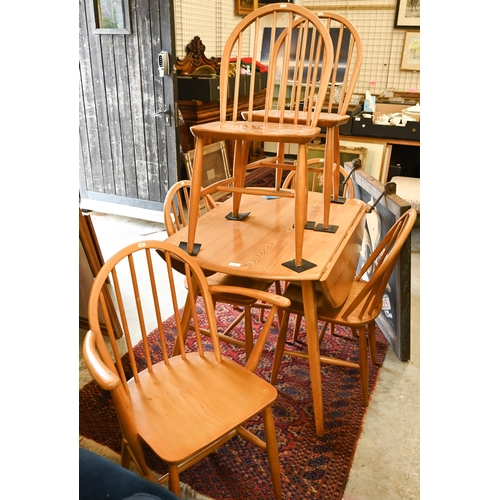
point(263, 177)
point(312, 467)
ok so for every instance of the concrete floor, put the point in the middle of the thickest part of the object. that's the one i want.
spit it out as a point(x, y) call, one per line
point(387, 461)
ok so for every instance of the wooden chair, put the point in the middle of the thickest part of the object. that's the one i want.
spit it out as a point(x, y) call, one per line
point(343, 77)
point(346, 190)
point(297, 51)
point(362, 306)
point(182, 407)
point(317, 179)
point(174, 211)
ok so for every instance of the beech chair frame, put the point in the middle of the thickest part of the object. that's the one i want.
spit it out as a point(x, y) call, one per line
point(153, 398)
point(174, 211)
point(361, 308)
point(334, 111)
point(305, 90)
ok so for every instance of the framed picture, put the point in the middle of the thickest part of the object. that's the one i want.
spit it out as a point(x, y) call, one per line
point(375, 153)
point(318, 151)
point(394, 320)
point(111, 17)
point(407, 14)
point(215, 166)
point(244, 7)
point(410, 60)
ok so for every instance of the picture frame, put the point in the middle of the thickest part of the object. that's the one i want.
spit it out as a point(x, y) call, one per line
point(394, 319)
point(215, 166)
point(407, 14)
point(347, 154)
point(111, 17)
point(244, 7)
point(410, 58)
point(375, 154)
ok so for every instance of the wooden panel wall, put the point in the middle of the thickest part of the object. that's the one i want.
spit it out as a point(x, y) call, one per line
point(123, 142)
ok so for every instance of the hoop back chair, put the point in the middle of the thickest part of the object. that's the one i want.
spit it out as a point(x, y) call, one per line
point(317, 182)
point(177, 198)
point(156, 394)
point(361, 308)
point(297, 51)
point(348, 55)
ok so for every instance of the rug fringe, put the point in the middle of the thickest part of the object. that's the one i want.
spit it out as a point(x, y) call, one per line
point(187, 493)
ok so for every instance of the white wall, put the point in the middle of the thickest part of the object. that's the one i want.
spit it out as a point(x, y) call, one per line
point(213, 20)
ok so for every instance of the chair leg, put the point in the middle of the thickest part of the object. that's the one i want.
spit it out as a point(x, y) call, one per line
point(125, 455)
point(248, 332)
point(278, 291)
point(261, 315)
point(280, 347)
point(272, 451)
point(372, 342)
point(363, 365)
point(298, 321)
point(323, 331)
point(174, 484)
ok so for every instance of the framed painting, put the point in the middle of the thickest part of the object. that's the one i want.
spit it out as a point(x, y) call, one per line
point(111, 17)
point(318, 151)
point(215, 166)
point(375, 153)
point(407, 14)
point(410, 59)
point(244, 7)
point(394, 320)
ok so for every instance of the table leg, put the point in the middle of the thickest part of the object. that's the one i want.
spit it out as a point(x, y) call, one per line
point(311, 318)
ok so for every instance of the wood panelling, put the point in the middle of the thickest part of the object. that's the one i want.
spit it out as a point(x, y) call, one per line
point(124, 136)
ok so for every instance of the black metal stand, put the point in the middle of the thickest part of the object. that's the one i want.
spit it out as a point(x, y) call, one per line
point(242, 216)
point(299, 269)
point(184, 246)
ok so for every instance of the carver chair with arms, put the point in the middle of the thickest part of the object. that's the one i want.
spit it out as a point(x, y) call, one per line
point(184, 406)
point(174, 212)
point(361, 308)
point(299, 45)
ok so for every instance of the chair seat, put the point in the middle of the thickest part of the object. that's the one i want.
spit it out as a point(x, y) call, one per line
point(325, 119)
point(325, 310)
point(176, 427)
point(257, 131)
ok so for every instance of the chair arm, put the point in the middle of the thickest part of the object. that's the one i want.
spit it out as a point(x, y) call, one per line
point(269, 297)
point(101, 373)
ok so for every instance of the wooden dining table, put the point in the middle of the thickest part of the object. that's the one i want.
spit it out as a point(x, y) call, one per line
point(262, 245)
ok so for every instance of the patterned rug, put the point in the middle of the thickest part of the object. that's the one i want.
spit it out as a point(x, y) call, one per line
point(312, 467)
point(263, 177)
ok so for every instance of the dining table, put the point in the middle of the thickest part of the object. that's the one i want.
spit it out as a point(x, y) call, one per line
point(262, 246)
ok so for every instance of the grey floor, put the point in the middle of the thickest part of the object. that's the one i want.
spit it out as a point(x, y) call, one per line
point(387, 461)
